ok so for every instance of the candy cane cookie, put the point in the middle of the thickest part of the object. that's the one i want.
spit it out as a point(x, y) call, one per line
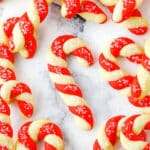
point(6, 131)
point(14, 90)
point(132, 133)
point(136, 23)
point(90, 11)
point(23, 38)
point(121, 9)
point(142, 79)
point(63, 80)
point(110, 70)
point(70, 8)
point(143, 103)
point(41, 129)
point(124, 9)
point(108, 134)
point(6, 65)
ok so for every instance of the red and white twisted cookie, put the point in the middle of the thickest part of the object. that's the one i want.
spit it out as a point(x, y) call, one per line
point(6, 131)
point(143, 103)
point(142, 80)
point(6, 28)
point(63, 80)
point(110, 70)
point(130, 131)
point(70, 8)
point(6, 65)
point(90, 11)
point(41, 129)
point(14, 90)
point(135, 23)
point(23, 38)
point(133, 135)
point(124, 9)
point(108, 134)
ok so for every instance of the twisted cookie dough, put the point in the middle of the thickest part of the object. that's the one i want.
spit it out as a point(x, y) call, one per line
point(6, 65)
point(130, 130)
point(41, 129)
point(63, 80)
point(6, 131)
point(133, 135)
point(110, 70)
point(22, 36)
point(90, 11)
point(14, 90)
point(108, 134)
point(133, 19)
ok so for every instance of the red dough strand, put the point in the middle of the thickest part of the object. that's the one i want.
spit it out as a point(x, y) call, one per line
point(118, 78)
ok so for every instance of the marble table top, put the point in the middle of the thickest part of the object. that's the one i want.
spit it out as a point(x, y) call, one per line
point(103, 100)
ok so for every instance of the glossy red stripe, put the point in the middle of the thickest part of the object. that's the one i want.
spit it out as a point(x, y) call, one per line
point(128, 8)
point(1, 146)
point(111, 8)
point(107, 64)
point(83, 112)
point(72, 8)
point(5, 53)
point(59, 70)
point(138, 58)
point(136, 13)
point(70, 89)
point(24, 138)
point(111, 129)
point(26, 27)
point(31, 46)
point(146, 63)
point(147, 147)
point(27, 30)
point(145, 102)
point(42, 7)
point(7, 74)
point(136, 88)
point(49, 128)
point(25, 108)
point(89, 6)
point(96, 146)
point(85, 54)
point(4, 108)
point(48, 146)
point(18, 89)
point(122, 82)
point(138, 30)
point(6, 129)
point(127, 130)
point(118, 44)
point(57, 45)
point(9, 25)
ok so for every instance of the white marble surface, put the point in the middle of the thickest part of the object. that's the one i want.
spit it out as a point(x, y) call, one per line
point(104, 101)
